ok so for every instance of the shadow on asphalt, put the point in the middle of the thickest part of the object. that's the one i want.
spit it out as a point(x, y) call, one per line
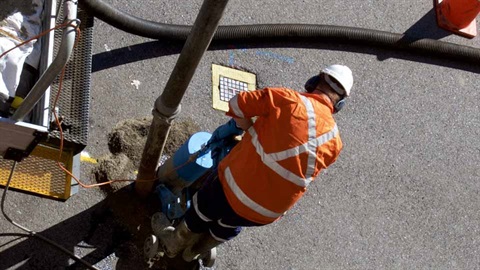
point(425, 28)
point(115, 227)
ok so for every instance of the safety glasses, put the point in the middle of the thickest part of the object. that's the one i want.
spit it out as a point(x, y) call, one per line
point(334, 85)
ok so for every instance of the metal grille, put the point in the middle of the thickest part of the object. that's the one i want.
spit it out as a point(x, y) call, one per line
point(230, 87)
point(227, 82)
point(40, 174)
point(74, 102)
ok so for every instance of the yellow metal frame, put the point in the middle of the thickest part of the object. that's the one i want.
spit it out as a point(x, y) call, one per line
point(249, 78)
point(40, 174)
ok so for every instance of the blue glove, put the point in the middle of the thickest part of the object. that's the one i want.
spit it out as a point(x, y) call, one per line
point(226, 130)
point(220, 149)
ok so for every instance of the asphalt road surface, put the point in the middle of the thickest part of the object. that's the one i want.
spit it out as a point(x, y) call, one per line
point(404, 193)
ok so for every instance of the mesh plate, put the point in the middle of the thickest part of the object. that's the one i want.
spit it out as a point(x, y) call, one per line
point(230, 87)
point(39, 173)
point(74, 101)
point(227, 82)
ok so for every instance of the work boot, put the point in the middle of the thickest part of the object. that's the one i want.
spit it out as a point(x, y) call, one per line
point(174, 240)
point(204, 249)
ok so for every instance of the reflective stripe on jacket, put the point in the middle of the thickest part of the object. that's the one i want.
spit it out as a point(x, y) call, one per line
point(293, 138)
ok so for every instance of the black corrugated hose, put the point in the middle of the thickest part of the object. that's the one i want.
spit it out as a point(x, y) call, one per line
point(315, 33)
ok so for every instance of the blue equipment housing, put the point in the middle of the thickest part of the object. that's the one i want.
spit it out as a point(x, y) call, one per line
point(193, 170)
point(179, 172)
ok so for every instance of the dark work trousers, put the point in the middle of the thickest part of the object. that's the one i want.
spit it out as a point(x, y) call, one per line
point(211, 212)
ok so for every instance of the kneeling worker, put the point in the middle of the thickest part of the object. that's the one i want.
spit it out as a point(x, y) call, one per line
point(293, 138)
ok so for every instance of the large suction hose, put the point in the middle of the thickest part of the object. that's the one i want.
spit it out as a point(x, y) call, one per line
point(303, 32)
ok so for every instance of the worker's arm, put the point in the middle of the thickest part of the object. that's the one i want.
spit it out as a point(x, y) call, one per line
point(242, 107)
point(224, 131)
point(246, 105)
point(243, 123)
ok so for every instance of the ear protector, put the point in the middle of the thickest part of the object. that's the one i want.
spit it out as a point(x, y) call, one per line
point(311, 85)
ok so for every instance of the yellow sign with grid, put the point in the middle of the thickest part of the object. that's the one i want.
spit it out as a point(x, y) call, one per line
point(227, 82)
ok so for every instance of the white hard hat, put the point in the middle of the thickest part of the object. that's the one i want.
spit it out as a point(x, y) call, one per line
point(342, 74)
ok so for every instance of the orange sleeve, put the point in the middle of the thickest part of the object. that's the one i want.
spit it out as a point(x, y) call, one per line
point(259, 102)
point(249, 104)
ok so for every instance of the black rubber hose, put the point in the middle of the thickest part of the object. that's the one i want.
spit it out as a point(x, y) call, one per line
point(303, 32)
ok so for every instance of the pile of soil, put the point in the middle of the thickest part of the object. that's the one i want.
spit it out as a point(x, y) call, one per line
point(126, 142)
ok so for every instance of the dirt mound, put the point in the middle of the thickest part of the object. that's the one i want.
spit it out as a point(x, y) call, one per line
point(126, 142)
point(128, 137)
point(114, 167)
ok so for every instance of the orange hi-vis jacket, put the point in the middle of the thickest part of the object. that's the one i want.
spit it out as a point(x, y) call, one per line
point(292, 139)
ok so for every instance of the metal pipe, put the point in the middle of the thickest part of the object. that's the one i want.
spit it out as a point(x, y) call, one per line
point(167, 106)
point(66, 48)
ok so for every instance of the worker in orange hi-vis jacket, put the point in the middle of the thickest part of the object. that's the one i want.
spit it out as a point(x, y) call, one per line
point(292, 139)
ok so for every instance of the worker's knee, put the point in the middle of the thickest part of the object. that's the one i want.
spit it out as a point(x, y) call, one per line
point(195, 223)
point(223, 232)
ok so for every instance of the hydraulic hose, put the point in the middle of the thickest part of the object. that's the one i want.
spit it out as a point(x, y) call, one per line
point(290, 32)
